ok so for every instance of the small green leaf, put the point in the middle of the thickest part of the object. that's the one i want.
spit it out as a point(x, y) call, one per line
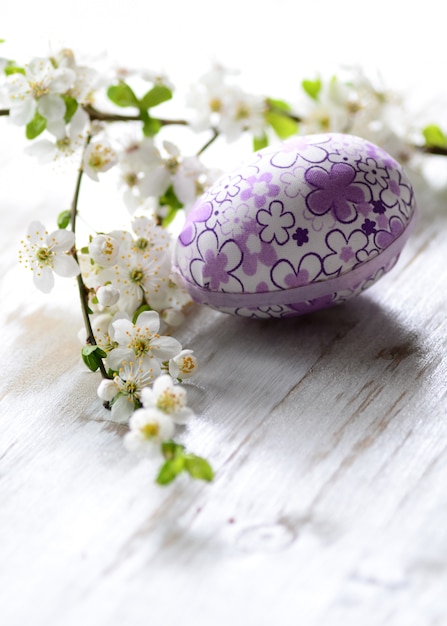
point(92, 356)
point(12, 68)
point(312, 87)
point(85, 250)
point(170, 470)
point(170, 449)
point(122, 95)
point(198, 468)
point(155, 96)
point(278, 104)
point(63, 219)
point(170, 200)
point(151, 126)
point(36, 126)
point(71, 107)
point(434, 136)
point(283, 125)
point(260, 142)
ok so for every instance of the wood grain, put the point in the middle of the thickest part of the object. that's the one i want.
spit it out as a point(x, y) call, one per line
point(328, 434)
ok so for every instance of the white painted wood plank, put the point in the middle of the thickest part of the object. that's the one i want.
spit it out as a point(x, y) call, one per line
point(328, 434)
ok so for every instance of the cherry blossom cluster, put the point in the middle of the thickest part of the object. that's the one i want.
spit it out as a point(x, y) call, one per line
point(113, 124)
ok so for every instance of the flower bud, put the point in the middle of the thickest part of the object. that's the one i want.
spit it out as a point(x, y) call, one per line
point(184, 365)
point(107, 390)
point(104, 250)
point(172, 317)
point(108, 295)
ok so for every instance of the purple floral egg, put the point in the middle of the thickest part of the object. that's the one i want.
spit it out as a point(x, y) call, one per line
point(300, 226)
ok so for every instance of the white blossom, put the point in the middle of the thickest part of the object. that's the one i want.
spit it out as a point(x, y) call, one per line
point(183, 365)
point(44, 253)
point(68, 140)
point(167, 398)
point(131, 379)
point(104, 250)
point(39, 89)
point(148, 429)
point(99, 156)
point(142, 342)
point(107, 295)
point(226, 107)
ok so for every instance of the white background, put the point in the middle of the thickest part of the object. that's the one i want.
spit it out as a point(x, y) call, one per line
point(275, 42)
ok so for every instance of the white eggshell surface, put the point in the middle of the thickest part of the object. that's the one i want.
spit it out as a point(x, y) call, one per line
point(300, 226)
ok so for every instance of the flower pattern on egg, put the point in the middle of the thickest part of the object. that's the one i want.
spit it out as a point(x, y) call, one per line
point(312, 212)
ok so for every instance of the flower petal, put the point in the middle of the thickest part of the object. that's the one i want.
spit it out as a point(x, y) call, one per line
point(22, 112)
point(61, 240)
point(51, 107)
point(43, 279)
point(65, 265)
point(122, 409)
point(165, 347)
point(149, 320)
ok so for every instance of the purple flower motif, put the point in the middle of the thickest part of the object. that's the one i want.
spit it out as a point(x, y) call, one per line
point(254, 250)
point(379, 207)
point(226, 188)
point(344, 250)
point(301, 236)
point(213, 270)
point(384, 238)
point(287, 276)
point(217, 213)
point(397, 193)
point(234, 219)
point(260, 188)
point(369, 227)
point(373, 174)
point(293, 181)
point(296, 148)
point(200, 212)
point(313, 305)
point(276, 222)
point(335, 192)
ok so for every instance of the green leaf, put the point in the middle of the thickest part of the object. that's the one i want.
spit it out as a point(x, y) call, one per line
point(92, 356)
point(36, 126)
point(12, 68)
point(170, 470)
point(312, 87)
point(278, 104)
point(170, 449)
point(434, 136)
point(63, 219)
point(282, 124)
point(122, 95)
point(170, 200)
point(71, 107)
point(151, 126)
point(198, 468)
point(260, 142)
point(155, 96)
point(141, 309)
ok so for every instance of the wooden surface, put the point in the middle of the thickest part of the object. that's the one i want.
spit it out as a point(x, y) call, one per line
point(328, 435)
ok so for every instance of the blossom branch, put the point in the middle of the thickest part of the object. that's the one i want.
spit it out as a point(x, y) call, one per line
point(83, 291)
point(100, 116)
point(209, 142)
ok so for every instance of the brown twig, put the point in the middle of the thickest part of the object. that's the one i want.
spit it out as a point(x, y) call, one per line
point(100, 116)
point(83, 291)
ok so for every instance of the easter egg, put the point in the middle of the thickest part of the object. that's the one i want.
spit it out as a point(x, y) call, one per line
point(299, 226)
